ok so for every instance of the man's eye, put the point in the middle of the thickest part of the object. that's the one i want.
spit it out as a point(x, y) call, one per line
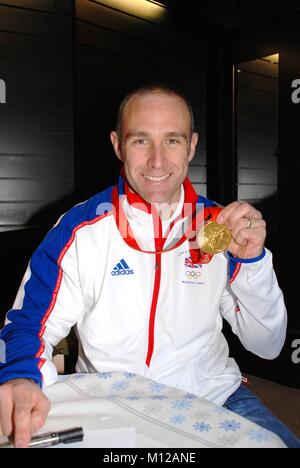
point(140, 141)
point(172, 141)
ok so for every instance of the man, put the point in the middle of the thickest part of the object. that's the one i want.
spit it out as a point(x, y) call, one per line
point(124, 268)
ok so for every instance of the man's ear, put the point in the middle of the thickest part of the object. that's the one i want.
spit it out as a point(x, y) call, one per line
point(116, 142)
point(193, 145)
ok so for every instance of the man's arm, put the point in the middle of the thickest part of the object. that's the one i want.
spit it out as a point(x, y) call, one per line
point(48, 303)
point(253, 304)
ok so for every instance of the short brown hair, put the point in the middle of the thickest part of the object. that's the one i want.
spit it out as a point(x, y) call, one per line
point(159, 88)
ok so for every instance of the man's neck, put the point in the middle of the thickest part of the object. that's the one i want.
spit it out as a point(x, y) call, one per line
point(167, 210)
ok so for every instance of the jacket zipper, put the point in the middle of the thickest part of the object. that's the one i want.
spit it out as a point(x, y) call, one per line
point(156, 289)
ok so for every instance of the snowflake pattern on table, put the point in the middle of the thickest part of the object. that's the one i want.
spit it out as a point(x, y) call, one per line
point(120, 385)
point(156, 387)
point(158, 397)
point(79, 376)
point(129, 375)
point(177, 419)
point(230, 425)
point(259, 435)
point(133, 397)
point(202, 427)
point(181, 404)
point(189, 396)
point(104, 375)
point(173, 408)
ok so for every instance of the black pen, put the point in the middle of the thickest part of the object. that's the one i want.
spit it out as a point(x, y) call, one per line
point(49, 439)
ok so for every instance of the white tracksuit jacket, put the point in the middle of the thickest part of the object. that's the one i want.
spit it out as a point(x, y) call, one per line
point(157, 314)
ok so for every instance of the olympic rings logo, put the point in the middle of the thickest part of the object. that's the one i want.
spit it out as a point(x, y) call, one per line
point(193, 274)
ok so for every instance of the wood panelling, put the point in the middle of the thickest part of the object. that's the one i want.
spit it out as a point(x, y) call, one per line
point(258, 176)
point(47, 97)
point(17, 214)
point(34, 23)
point(19, 71)
point(258, 82)
point(24, 49)
point(257, 147)
point(35, 120)
point(257, 130)
point(37, 131)
point(155, 13)
point(261, 67)
point(256, 191)
point(52, 6)
point(34, 189)
point(38, 166)
point(109, 18)
point(36, 143)
point(108, 40)
point(101, 61)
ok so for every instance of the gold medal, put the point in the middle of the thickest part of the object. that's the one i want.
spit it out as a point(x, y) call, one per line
point(213, 238)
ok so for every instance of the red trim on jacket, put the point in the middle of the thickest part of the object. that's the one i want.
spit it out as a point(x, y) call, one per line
point(236, 272)
point(159, 245)
point(59, 279)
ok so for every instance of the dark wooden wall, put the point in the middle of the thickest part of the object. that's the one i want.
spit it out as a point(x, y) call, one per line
point(257, 83)
point(280, 208)
point(257, 128)
point(36, 122)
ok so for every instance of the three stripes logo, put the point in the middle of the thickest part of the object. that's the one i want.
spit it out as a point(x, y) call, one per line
point(121, 269)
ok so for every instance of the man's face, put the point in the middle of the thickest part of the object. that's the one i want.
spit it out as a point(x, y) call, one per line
point(156, 146)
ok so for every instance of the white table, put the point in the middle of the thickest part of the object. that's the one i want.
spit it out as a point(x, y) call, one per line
point(162, 416)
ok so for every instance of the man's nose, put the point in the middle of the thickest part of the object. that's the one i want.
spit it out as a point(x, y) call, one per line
point(156, 156)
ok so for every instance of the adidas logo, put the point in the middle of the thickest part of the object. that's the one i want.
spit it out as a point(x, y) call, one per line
point(122, 269)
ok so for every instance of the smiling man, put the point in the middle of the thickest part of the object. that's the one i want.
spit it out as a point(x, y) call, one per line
point(143, 297)
point(156, 142)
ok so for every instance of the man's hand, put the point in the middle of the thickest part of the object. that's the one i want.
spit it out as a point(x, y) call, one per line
point(23, 410)
point(248, 229)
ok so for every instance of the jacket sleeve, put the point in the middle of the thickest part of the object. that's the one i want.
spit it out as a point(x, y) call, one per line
point(47, 305)
point(253, 305)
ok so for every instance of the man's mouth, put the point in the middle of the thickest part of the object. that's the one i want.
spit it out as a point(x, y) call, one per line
point(156, 179)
